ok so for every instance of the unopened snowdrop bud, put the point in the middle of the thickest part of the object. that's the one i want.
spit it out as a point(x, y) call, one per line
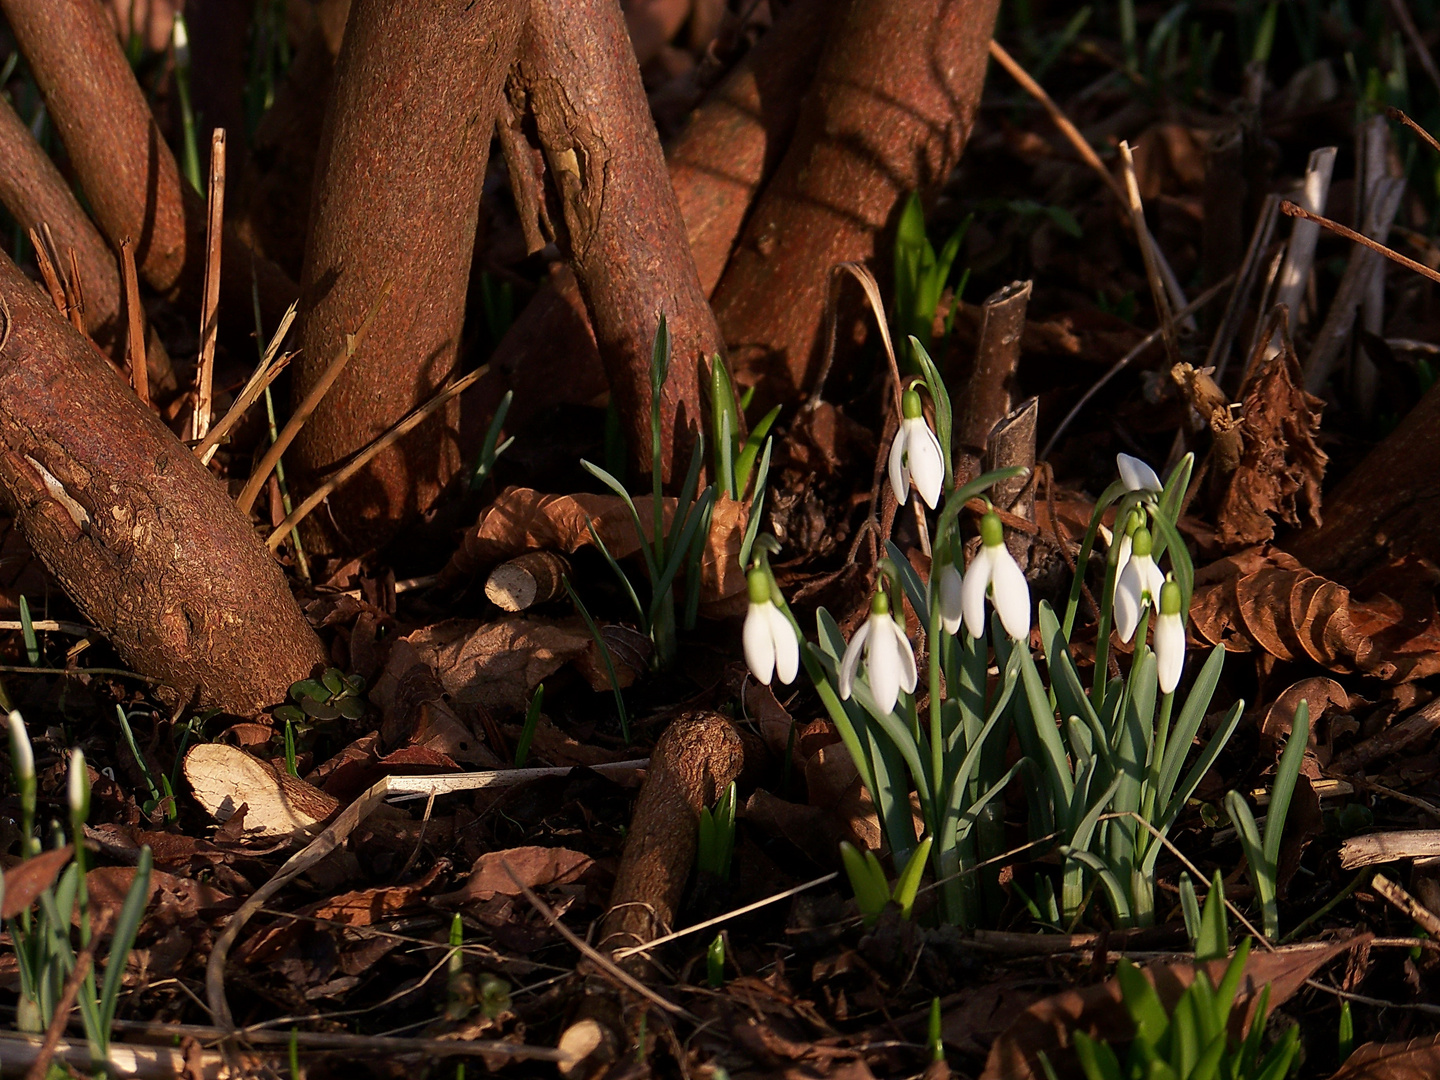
point(768, 637)
point(79, 786)
point(1127, 539)
point(1138, 476)
point(22, 757)
point(994, 570)
point(1139, 584)
point(951, 607)
point(915, 455)
point(1169, 639)
point(889, 661)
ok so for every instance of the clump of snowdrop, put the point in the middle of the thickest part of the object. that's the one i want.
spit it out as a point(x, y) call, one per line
point(771, 648)
point(915, 456)
point(889, 660)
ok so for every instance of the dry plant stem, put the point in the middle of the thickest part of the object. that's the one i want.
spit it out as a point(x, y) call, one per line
point(627, 241)
point(214, 230)
point(693, 763)
point(987, 398)
point(1292, 210)
point(1396, 114)
point(1221, 344)
point(123, 163)
point(1412, 33)
point(139, 535)
point(363, 457)
point(1300, 255)
point(1373, 849)
point(137, 1062)
point(1147, 254)
point(135, 323)
point(525, 186)
point(1011, 443)
point(1125, 361)
point(889, 112)
point(46, 266)
point(1354, 285)
point(40, 1067)
point(34, 192)
point(265, 373)
point(310, 403)
point(396, 196)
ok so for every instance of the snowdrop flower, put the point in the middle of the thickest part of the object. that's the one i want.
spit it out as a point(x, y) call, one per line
point(1169, 638)
point(915, 455)
point(951, 603)
point(1137, 475)
point(22, 757)
point(889, 661)
point(1139, 584)
point(1127, 539)
point(79, 786)
point(769, 639)
point(994, 570)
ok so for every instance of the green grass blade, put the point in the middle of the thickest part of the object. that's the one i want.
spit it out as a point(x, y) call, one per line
point(746, 461)
point(604, 657)
point(1287, 773)
point(126, 927)
point(757, 505)
point(619, 489)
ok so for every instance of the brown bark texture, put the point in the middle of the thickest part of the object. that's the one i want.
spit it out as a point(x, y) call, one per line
point(992, 378)
point(1386, 508)
point(889, 112)
point(731, 146)
point(127, 171)
point(693, 763)
point(627, 240)
point(35, 193)
point(142, 538)
point(397, 196)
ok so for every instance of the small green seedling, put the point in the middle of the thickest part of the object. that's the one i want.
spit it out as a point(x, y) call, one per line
point(1209, 930)
point(27, 632)
point(158, 800)
point(717, 835)
point(933, 1033)
point(1192, 1041)
point(492, 448)
point(1263, 854)
point(715, 963)
point(527, 730)
point(872, 889)
point(921, 275)
point(329, 697)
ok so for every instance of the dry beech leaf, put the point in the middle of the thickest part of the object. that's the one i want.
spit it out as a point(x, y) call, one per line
point(1101, 1014)
point(1418, 1059)
point(534, 866)
point(522, 519)
point(278, 806)
point(1319, 693)
point(1281, 465)
point(24, 882)
point(1263, 598)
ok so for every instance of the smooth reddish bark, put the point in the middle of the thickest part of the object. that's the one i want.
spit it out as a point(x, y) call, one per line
point(627, 240)
point(889, 112)
point(397, 196)
point(127, 171)
point(140, 535)
point(35, 193)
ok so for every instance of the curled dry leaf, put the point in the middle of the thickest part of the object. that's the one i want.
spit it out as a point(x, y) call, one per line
point(522, 519)
point(534, 866)
point(1320, 695)
point(1263, 598)
point(278, 806)
point(1281, 465)
point(1418, 1059)
point(24, 882)
point(1100, 1012)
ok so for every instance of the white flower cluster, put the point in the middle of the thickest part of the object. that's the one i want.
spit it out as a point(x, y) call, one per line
point(1139, 583)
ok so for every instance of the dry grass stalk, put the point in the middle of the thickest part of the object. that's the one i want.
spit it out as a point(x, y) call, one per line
point(134, 322)
point(1218, 355)
point(214, 233)
point(269, 368)
point(363, 458)
point(1396, 114)
point(47, 270)
point(308, 406)
point(1300, 255)
point(1148, 253)
point(1292, 210)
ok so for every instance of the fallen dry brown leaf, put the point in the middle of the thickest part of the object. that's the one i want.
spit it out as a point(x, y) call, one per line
point(1263, 598)
point(535, 866)
point(1281, 465)
point(1099, 1011)
point(25, 881)
point(1418, 1059)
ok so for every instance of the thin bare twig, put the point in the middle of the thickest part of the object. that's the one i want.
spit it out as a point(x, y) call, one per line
point(1412, 32)
point(1395, 114)
point(214, 232)
point(1292, 210)
point(1408, 905)
point(363, 457)
point(47, 269)
point(134, 322)
point(311, 402)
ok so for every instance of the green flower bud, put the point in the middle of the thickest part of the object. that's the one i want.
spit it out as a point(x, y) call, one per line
point(910, 406)
point(1170, 598)
point(992, 530)
point(757, 582)
point(1141, 544)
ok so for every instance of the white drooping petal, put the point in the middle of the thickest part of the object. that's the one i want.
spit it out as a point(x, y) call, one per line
point(1010, 593)
point(908, 675)
point(1169, 651)
point(972, 592)
point(1154, 580)
point(1128, 587)
point(79, 784)
point(1120, 561)
point(1136, 475)
point(926, 463)
point(22, 756)
point(899, 474)
point(851, 660)
point(759, 642)
point(950, 609)
point(882, 662)
point(787, 649)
